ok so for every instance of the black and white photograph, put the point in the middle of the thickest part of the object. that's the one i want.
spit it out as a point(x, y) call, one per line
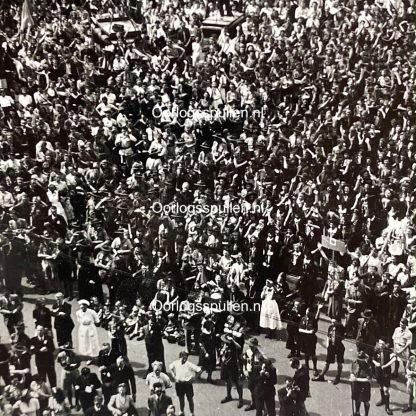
point(207, 207)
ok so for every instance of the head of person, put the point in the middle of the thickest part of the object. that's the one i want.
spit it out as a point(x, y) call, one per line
point(98, 401)
point(121, 362)
point(122, 389)
point(157, 367)
point(294, 363)
point(158, 389)
point(171, 410)
point(40, 331)
point(403, 323)
point(183, 355)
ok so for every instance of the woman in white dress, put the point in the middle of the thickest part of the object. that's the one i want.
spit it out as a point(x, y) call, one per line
point(88, 343)
point(269, 313)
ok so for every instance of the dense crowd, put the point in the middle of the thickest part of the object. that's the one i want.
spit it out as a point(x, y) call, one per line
point(146, 173)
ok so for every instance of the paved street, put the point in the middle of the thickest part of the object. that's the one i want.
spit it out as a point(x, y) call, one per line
point(326, 399)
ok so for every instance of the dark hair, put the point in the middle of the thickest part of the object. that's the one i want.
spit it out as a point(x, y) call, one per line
point(156, 385)
point(59, 395)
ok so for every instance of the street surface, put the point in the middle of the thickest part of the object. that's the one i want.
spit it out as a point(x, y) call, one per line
point(326, 400)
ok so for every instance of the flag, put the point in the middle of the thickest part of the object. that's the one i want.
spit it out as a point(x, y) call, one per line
point(26, 18)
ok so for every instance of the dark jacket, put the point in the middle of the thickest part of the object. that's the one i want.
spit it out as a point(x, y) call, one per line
point(124, 375)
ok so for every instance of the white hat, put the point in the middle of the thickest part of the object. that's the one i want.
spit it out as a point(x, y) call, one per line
point(83, 302)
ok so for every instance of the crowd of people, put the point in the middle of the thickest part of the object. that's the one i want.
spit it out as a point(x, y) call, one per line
point(149, 171)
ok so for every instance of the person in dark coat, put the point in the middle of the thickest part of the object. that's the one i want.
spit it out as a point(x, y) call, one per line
point(106, 358)
point(287, 399)
point(63, 322)
point(396, 306)
point(98, 409)
point(292, 317)
point(122, 373)
point(207, 352)
point(361, 374)
point(20, 360)
point(152, 334)
point(86, 388)
point(4, 364)
point(301, 384)
point(158, 402)
point(42, 315)
point(63, 268)
point(264, 382)
point(89, 282)
point(368, 333)
point(42, 347)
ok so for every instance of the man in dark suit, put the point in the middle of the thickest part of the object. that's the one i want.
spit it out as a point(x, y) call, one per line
point(253, 296)
point(287, 399)
point(368, 333)
point(57, 222)
point(98, 409)
point(42, 347)
point(63, 323)
point(301, 384)
point(264, 383)
point(121, 372)
point(86, 386)
point(107, 357)
point(158, 402)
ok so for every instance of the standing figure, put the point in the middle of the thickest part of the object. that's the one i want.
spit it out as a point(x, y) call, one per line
point(382, 361)
point(308, 327)
point(207, 352)
point(361, 374)
point(184, 372)
point(335, 350)
point(88, 343)
point(265, 380)
point(292, 317)
point(42, 347)
point(368, 333)
point(269, 313)
point(63, 322)
point(252, 360)
point(86, 389)
point(231, 368)
point(411, 381)
point(69, 363)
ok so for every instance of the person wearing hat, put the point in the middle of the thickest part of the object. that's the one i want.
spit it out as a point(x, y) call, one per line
point(63, 323)
point(382, 361)
point(361, 375)
point(122, 403)
point(69, 363)
point(87, 318)
point(252, 359)
point(207, 352)
point(42, 347)
point(183, 372)
point(368, 332)
point(231, 367)
point(402, 341)
point(335, 349)
point(308, 326)
point(396, 306)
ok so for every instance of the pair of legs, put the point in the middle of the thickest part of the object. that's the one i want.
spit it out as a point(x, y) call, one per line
point(268, 402)
point(239, 387)
point(385, 397)
point(182, 390)
point(358, 407)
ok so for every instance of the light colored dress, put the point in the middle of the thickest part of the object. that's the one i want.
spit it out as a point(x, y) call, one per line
point(269, 313)
point(88, 343)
